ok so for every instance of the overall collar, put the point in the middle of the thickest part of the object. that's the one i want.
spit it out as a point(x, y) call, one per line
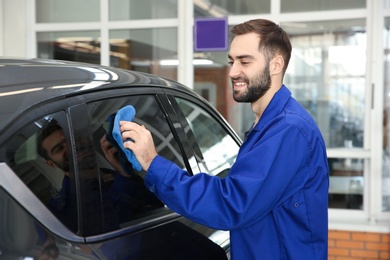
point(275, 107)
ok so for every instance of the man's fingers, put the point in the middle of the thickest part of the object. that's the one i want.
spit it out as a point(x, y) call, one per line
point(130, 135)
point(129, 126)
point(112, 150)
point(129, 145)
point(139, 140)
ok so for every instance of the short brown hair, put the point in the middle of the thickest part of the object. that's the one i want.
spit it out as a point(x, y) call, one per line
point(273, 39)
point(48, 128)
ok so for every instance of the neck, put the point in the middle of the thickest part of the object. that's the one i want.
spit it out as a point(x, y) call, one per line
point(259, 106)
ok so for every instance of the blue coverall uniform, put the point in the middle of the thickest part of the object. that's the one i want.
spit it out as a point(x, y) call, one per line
point(274, 200)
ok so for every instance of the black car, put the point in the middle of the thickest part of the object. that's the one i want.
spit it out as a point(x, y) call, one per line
point(64, 193)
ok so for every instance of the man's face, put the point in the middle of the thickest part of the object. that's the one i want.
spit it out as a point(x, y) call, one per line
point(56, 149)
point(249, 70)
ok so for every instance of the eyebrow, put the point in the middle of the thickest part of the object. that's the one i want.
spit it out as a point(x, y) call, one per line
point(240, 57)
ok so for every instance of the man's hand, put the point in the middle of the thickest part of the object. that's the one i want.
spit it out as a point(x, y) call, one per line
point(142, 145)
point(49, 250)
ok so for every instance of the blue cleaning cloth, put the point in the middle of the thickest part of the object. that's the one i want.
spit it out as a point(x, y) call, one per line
point(125, 164)
point(126, 113)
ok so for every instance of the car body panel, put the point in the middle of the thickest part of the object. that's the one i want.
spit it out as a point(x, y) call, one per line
point(80, 96)
point(48, 80)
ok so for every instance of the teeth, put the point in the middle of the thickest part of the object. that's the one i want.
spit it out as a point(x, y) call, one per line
point(240, 83)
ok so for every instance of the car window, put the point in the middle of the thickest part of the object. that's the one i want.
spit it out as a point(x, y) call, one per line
point(119, 182)
point(218, 148)
point(39, 154)
point(22, 237)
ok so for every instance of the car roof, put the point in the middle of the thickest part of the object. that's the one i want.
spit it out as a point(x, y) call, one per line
point(25, 83)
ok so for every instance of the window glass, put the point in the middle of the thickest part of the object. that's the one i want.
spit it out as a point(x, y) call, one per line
point(319, 5)
point(147, 9)
point(220, 8)
point(60, 11)
point(120, 183)
point(386, 122)
point(24, 238)
point(346, 183)
point(218, 148)
point(327, 76)
point(83, 46)
point(146, 50)
point(39, 154)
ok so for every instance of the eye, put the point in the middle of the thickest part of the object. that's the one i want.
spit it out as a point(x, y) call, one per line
point(230, 63)
point(58, 148)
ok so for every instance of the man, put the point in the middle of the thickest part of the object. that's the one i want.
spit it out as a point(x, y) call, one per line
point(275, 197)
point(51, 145)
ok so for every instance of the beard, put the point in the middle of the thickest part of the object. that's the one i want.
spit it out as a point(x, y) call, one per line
point(63, 164)
point(257, 87)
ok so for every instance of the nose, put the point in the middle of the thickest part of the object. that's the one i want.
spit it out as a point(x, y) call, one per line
point(234, 71)
point(64, 149)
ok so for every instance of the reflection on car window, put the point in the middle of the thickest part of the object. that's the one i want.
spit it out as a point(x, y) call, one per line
point(39, 155)
point(218, 148)
point(129, 198)
point(21, 237)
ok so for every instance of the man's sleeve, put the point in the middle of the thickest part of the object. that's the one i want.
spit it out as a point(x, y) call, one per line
point(262, 177)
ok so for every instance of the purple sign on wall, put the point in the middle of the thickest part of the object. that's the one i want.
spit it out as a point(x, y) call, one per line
point(211, 34)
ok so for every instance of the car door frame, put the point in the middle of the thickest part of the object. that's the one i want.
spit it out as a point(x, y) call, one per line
point(177, 130)
point(183, 120)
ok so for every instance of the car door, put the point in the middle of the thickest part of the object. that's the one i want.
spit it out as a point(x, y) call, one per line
point(68, 208)
point(162, 234)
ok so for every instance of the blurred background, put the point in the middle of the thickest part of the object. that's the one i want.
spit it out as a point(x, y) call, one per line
point(339, 71)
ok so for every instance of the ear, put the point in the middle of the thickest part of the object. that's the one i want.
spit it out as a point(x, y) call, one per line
point(51, 164)
point(277, 64)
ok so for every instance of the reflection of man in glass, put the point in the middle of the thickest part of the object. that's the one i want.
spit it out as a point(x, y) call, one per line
point(127, 184)
point(52, 147)
point(122, 194)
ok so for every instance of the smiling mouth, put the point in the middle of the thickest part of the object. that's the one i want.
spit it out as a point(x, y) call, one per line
point(238, 84)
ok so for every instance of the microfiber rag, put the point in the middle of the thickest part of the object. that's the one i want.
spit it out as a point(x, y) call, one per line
point(126, 113)
point(125, 164)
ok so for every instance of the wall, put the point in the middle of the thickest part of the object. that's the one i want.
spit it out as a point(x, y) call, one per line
point(223, 92)
point(346, 245)
point(13, 15)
